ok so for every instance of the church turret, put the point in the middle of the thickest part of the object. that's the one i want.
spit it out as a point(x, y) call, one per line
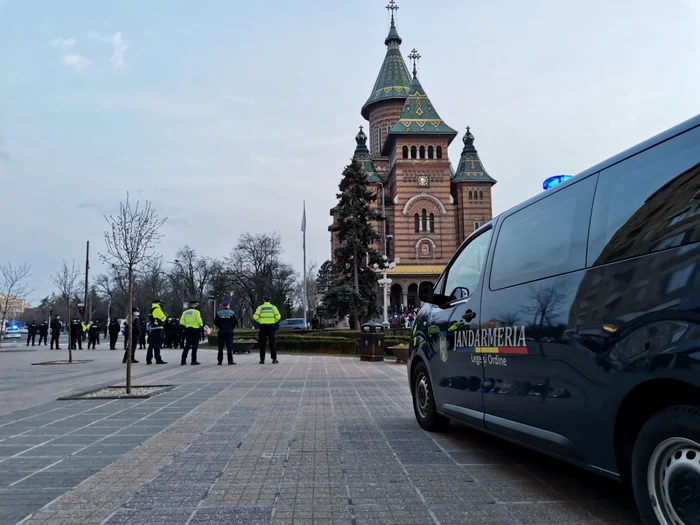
point(472, 189)
point(391, 88)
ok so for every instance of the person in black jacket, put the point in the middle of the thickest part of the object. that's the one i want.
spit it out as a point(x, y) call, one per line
point(113, 334)
point(136, 325)
point(31, 334)
point(56, 328)
point(44, 333)
point(142, 336)
point(93, 334)
point(226, 321)
point(76, 334)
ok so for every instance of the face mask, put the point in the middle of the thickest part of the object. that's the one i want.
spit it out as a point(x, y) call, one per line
point(136, 314)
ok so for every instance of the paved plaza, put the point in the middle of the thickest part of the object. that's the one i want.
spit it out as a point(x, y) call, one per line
point(313, 440)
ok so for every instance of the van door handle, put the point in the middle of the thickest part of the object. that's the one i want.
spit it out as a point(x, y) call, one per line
point(469, 315)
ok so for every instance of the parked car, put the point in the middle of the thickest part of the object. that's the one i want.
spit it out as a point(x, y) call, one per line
point(571, 324)
point(292, 324)
point(12, 333)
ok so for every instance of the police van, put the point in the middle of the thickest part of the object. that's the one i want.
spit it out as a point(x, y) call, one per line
point(571, 324)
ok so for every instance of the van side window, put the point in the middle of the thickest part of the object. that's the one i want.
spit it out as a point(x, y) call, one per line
point(647, 203)
point(466, 269)
point(544, 239)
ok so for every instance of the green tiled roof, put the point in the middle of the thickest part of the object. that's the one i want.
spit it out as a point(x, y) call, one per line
point(362, 156)
point(394, 78)
point(419, 116)
point(470, 168)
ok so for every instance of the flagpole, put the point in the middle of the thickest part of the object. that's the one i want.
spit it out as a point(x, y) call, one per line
point(305, 291)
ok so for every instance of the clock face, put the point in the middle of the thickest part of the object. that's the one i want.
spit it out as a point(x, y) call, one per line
point(423, 180)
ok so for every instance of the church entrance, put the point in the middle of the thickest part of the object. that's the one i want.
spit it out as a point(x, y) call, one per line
point(396, 296)
point(412, 298)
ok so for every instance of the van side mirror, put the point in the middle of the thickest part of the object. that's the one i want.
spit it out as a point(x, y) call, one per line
point(425, 292)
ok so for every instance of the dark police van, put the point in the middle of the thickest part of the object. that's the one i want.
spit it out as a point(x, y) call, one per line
point(571, 324)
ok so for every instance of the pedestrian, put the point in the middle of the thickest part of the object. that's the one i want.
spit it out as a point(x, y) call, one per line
point(76, 334)
point(32, 329)
point(93, 334)
point(226, 321)
point(113, 333)
point(166, 333)
point(83, 331)
point(43, 333)
point(191, 320)
point(157, 322)
point(142, 336)
point(314, 323)
point(135, 335)
point(181, 334)
point(55, 331)
point(125, 331)
point(267, 316)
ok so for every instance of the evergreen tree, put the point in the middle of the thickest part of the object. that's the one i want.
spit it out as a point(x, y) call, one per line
point(356, 236)
point(324, 278)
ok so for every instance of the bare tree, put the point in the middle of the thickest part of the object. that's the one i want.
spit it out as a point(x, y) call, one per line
point(130, 241)
point(193, 272)
point(66, 280)
point(13, 287)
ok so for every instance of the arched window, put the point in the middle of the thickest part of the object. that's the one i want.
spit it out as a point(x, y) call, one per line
point(424, 221)
point(422, 152)
point(416, 218)
point(470, 195)
point(439, 152)
point(432, 223)
point(431, 152)
point(481, 195)
point(413, 152)
point(476, 225)
point(405, 152)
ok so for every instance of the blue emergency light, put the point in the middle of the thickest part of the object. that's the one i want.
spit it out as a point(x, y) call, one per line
point(549, 183)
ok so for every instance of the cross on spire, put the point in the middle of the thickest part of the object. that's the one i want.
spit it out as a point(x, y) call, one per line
point(393, 7)
point(414, 57)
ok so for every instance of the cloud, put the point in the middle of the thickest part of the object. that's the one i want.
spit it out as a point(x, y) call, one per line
point(119, 47)
point(75, 61)
point(64, 44)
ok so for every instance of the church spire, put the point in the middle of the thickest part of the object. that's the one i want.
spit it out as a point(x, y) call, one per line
point(394, 79)
point(470, 168)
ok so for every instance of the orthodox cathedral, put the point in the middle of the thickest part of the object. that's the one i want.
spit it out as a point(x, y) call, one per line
point(429, 207)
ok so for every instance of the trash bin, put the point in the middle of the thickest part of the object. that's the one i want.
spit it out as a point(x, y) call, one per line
point(372, 342)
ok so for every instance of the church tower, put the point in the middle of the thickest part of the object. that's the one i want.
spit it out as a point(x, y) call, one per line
point(428, 207)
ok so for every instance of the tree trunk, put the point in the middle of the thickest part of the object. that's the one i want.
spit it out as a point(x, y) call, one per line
point(70, 350)
point(130, 324)
point(357, 286)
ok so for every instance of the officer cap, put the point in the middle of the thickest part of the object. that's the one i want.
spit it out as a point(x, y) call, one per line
point(267, 298)
point(157, 301)
point(226, 302)
point(134, 310)
point(193, 302)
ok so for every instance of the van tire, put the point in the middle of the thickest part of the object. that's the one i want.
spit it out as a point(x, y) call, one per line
point(424, 401)
point(667, 451)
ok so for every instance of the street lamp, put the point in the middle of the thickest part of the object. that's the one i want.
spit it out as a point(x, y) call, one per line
point(385, 283)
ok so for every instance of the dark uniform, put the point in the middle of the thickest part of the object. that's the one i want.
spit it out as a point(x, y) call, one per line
point(113, 334)
point(267, 316)
point(44, 333)
point(125, 331)
point(55, 331)
point(76, 334)
point(31, 334)
point(226, 321)
point(136, 325)
point(142, 336)
point(191, 320)
point(93, 334)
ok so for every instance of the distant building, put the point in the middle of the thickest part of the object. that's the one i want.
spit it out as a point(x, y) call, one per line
point(430, 207)
point(15, 306)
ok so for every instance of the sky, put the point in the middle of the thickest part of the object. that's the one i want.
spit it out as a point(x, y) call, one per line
point(227, 115)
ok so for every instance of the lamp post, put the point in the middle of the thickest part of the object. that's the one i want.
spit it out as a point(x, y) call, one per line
point(385, 283)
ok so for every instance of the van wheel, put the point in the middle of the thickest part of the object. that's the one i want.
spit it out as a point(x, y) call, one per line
point(424, 402)
point(666, 467)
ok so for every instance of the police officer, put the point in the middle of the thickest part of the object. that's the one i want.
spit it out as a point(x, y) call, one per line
point(135, 333)
point(31, 333)
point(93, 334)
point(142, 334)
point(76, 334)
point(157, 321)
point(267, 316)
point(191, 321)
point(56, 331)
point(226, 321)
point(113, 333)
point(43, 333)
